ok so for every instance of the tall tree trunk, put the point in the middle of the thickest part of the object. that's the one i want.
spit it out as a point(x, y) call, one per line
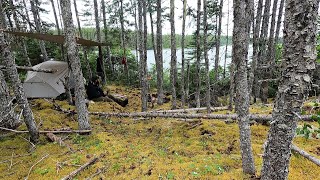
point(262, 55)
point(143, 60)
point(159, 62)
point(85, 54)
point(276, 38)
point(37, 21)
point(253, 80)
point(226, 51)
point(60, 15)
point(55, 17)
point(217, 55)
point(72, 52)
point(105, 29)
point(173, 69)
point(100, 60)
point(8, 117)
point(152, 30)
point(271, 51)
point(123, 40)
point(21, 40)
point(300, 30)
point(8, 60)
point(206, 58)
point(57, 24)
point(242, 19)
point(183, 92)
point(27, 13)
point(133, 4)
point(198, 53)
point(232, 85)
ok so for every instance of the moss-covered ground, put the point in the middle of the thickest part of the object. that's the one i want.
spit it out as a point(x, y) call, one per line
point(142, 148)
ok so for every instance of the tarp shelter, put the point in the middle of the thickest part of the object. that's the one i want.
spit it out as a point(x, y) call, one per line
point(55, 38)
point(46, 85)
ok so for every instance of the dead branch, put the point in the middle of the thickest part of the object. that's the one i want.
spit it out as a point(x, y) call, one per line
point(77, 171)
point(268, 80)
point(99, 171)
point(32, 69)
point(305, 154)
point(213, 109)
point(57, 139)
point(35, 165)
point(44, 132)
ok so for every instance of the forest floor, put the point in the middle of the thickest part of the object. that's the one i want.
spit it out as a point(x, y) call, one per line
point(142, 149)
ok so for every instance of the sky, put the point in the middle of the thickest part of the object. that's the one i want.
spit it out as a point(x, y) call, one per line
point(190, 25)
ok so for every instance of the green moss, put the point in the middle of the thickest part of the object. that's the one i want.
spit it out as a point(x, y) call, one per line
point(143, 149)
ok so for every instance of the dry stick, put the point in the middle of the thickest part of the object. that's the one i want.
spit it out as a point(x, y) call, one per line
point(213, 109)
point(44, 132)
point(77, 171)
point(11, 161)
point(35, 165)
point(57, 139)
point(305, 154)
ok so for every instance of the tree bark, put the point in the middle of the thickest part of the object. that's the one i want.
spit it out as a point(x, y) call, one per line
point(159, 62)
point(37, 21)
point(242, 18)
point(72, 52)
point(198, 53)
point(206, 58)
point(173, 69)
point(252, 78)
point(142, 52)
point(183, 92)
point(8, 60)
point(8, 117)
point(300, 30)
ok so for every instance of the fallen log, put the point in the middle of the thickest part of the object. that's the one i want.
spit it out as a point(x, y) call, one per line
point(45, 132)
point(119, 99)
point(263, 119)
point(213, 109)
point(305, 154)
point(57, 139)
point(77, 171)
point(32, 69)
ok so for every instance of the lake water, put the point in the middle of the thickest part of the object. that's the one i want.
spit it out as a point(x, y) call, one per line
point(211, 54)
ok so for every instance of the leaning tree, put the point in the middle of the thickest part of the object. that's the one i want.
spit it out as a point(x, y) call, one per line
point(300, 30)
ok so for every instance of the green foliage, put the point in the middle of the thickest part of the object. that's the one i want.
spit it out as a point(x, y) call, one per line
point(305, 130)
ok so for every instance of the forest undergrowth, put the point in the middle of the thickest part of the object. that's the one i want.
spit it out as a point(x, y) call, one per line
point(141, 148)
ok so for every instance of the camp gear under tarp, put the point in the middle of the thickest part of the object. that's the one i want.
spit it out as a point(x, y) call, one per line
point(46, 85)
point(55, 38)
